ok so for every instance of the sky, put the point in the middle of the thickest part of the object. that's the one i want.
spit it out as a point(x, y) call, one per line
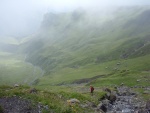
point(23, 17)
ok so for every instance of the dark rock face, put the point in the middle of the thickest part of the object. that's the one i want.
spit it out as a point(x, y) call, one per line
point(148, 105)
point(103, 107)
point(19, 105)
point(109, 96)
point(112, 98)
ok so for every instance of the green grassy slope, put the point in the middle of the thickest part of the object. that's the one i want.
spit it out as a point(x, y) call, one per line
point(13, 68)
point(56, 101)
point(75, 50)
point(82, 44)
point(131, 68)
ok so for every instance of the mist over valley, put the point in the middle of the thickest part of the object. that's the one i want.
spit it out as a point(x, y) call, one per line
point(62, 51)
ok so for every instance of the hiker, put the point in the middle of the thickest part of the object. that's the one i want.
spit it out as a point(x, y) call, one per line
point(91, 89)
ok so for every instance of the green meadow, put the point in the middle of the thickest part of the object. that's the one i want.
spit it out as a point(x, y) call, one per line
point(13, 70)
point(128, 71)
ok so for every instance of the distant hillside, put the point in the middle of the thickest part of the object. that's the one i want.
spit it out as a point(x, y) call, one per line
point(109, 50)
point(79, 38)
point(13, 68)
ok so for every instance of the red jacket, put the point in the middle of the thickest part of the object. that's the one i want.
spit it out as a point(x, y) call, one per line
point(92, 89)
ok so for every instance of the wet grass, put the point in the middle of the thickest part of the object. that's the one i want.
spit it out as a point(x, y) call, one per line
point(57, 101)
point(14, 70)
point(128, 71)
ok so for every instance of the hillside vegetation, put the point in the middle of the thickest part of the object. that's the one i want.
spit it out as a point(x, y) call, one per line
point(73, 50)
point(13, 68)
point(79, 45)
point(83, 44)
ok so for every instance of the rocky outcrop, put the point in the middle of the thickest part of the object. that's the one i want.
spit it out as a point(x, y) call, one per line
point(148, 105)
point(73, 101)
point(33, 90)
point(124, 100)
point(19, 105)
point(127, 102)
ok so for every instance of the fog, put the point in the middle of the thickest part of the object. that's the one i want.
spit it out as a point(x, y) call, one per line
point(20, 18)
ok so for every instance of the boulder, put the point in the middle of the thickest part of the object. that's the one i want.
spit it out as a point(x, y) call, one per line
point(148, 105)
point(106, 102)
point(107, 90)
point(112, 98)
point(146, 92)
point(33, 90)
point(91, 104)
point(73, 101)
point(84, 105)
point(16, 85)
point(102, 107)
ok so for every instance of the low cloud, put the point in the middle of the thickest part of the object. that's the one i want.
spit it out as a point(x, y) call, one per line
point(23, 17)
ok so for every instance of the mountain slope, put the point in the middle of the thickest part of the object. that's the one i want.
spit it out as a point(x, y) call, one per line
point(71, 41)
point(13, 68)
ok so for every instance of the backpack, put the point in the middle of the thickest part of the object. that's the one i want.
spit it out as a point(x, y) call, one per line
point(92, 88)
